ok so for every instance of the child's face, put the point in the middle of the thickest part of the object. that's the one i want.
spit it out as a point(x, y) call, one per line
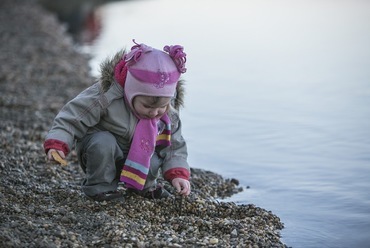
point(149, 107)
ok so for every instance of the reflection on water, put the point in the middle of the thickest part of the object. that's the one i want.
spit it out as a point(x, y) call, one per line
point(278, 96)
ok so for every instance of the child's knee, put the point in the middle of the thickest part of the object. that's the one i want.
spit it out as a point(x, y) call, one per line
point(103, 143)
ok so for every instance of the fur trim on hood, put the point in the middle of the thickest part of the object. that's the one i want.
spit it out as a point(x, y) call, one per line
point(107, 78)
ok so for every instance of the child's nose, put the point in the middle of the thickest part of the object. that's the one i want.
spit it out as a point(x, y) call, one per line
point(153, 112)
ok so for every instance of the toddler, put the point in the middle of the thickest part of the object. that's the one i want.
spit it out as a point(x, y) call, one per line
point(126, 127)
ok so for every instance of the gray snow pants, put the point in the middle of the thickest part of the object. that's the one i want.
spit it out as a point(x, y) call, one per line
point(102, 159)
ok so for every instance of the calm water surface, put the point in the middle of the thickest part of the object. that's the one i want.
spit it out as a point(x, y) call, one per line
point(278, 96)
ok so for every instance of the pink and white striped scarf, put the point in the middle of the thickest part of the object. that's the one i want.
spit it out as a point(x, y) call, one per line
point(146, 138)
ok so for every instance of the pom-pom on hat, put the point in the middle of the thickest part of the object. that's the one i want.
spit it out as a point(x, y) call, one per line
point(151, 72)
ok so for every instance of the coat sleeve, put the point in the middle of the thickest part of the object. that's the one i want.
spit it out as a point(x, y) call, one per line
point(74, 119)
point(175, 156)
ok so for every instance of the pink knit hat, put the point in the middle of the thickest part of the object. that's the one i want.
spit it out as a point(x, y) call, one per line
point(151, 72)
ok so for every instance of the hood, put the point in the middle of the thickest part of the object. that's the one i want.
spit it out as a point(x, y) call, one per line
point(107, 78)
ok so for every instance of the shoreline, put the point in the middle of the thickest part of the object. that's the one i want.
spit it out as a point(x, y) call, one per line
point(42, 204)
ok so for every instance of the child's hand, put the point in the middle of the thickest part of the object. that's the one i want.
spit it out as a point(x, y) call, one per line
point(181, 185)
point(55, 157)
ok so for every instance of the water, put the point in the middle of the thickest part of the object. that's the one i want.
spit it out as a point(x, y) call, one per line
point(278, 96)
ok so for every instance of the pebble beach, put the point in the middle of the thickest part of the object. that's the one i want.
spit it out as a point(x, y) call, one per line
point(41, 204)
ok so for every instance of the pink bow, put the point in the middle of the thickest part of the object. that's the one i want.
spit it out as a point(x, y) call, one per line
point(177, 54)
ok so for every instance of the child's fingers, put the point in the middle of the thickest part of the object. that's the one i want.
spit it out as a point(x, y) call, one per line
point(58, 156)
point(177, 186)
point(61, 154)
point(182, 186)
point(50, 157)
point(185, 188)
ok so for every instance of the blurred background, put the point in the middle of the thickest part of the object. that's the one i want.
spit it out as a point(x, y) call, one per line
point(278, 96)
